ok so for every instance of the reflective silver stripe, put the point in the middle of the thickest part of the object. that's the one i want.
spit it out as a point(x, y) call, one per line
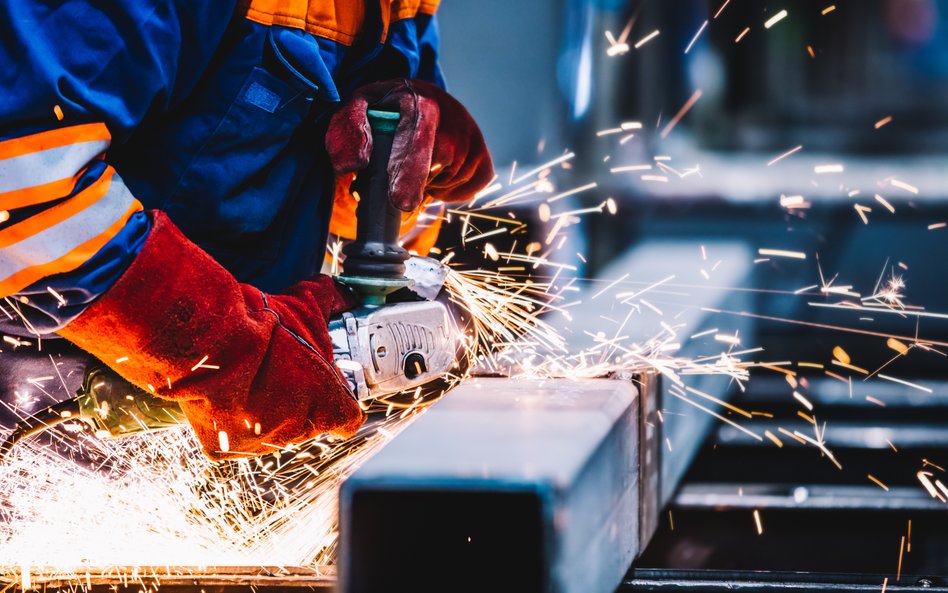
point(46, 166)
point(58, 240)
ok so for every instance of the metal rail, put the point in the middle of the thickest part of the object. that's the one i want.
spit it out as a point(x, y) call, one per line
point(712, 581)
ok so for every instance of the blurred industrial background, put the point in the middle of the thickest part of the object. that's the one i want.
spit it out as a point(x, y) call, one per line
point(862, 84)
point(772, 176)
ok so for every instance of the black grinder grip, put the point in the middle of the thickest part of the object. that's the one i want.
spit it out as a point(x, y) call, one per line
point(375, 252)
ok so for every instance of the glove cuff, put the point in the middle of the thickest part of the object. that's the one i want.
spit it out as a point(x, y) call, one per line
point(158, 299)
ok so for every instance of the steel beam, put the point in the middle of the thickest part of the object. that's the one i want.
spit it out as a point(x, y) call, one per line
point(537, 481)
point(498, 474)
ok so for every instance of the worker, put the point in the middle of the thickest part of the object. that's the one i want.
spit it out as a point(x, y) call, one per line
point(167, 177)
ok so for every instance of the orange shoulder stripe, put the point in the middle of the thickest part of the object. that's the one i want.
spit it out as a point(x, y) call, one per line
point(429, 6)
point(337, 20)
point(409, 9)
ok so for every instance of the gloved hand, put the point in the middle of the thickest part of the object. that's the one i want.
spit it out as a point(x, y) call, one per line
point(251, 371)
point(438, 150)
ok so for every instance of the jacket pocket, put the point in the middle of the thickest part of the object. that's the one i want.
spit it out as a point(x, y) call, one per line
point(244, 172)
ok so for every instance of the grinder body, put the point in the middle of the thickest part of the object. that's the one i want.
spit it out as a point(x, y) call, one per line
point(399, 347)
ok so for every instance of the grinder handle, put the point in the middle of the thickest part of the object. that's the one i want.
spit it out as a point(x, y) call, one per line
point(375, 252)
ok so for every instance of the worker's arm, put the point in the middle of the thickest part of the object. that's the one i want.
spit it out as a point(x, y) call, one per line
point(439, 152)
point(439, 155)
point(415, 42)
point(250, 370)
point(77, 79)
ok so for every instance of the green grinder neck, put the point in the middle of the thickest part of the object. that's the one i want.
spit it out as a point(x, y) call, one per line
point(375, 262)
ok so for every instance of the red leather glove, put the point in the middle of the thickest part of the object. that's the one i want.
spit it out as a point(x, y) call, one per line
point(438, 150)
point(176, 307)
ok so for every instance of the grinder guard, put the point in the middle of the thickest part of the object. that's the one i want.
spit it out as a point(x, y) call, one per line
point(395, 348)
